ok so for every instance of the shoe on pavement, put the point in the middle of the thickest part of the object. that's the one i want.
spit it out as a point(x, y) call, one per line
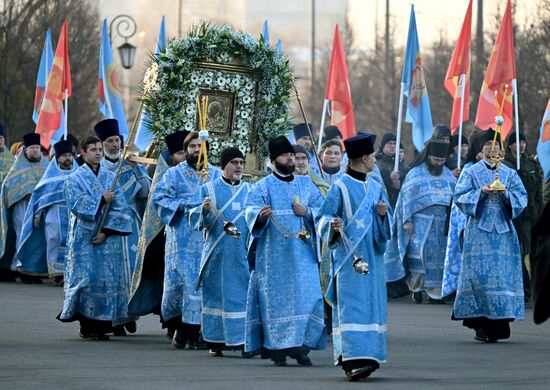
point(197, 345)
point(416, 297)
point(131, 327)
point(482, 336)
point(303, 360)
point(119, 330)
point(170, 333)
point(100, 337)
point(179, 340)
point(250, 355)
point(360, 373)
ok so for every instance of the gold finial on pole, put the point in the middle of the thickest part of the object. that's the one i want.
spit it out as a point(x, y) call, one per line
point(497, 158)
point(202, 163)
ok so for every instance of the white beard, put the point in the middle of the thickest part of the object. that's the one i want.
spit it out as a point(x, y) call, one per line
point(114, 156)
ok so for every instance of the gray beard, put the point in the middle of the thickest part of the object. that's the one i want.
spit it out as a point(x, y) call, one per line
point(301, 172)
point(114, 156)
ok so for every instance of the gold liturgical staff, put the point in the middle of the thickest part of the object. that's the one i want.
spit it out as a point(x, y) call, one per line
point(497, 158)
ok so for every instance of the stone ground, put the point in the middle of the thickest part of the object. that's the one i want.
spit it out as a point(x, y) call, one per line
point(426, 351)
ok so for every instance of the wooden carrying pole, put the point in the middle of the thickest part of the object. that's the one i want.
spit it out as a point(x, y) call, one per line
point(148, 82)
point(308, 129)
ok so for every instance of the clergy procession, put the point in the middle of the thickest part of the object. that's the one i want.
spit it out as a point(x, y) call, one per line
point(246, 229)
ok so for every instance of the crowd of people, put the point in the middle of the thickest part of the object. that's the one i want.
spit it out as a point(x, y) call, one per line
point(272, 266)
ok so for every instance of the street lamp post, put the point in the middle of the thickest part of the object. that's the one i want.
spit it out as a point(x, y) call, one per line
point(125, 27)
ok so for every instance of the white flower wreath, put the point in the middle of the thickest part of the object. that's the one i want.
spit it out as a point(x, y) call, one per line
point(262, 104)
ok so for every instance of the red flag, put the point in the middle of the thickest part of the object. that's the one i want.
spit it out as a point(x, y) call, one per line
point(460, 64)
point(338, 89)
point(501, 70)
point(49, 117)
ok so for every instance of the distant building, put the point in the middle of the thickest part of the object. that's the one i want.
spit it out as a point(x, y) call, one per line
point(289, 20)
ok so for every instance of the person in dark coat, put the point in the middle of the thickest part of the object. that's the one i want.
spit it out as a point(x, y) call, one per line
point(385, 159)
point(530, 173)
point(540, 267)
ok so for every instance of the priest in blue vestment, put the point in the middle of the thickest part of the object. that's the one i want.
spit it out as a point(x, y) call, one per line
point(17, 189)
point(285, 304)
point(96, 273)
point(490, 285)
point(148, 276)
point(218, 211)
point(457, 223)
point(419, 236)
point(134, 180)
point(41, 251)
point(181, 299)
point(355, 222)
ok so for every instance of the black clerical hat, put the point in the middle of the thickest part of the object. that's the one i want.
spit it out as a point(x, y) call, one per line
point(488, 135)
point(174, 141)
point(371, 135)
point(31, 139)
point(300, 130)
point(359, 145)
point(63, 146)
point(106, 128)
point(279, 145)
point(437, 148)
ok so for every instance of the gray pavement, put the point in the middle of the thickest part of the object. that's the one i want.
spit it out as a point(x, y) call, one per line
point(426, 351)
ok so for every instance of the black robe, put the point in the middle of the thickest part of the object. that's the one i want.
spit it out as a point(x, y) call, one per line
point(540, 266)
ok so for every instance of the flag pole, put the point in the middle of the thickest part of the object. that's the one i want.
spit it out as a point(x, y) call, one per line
point(462, 88)
point(308, 129)
point(322, 129)
point(398, 130)
point(65, 117)
point(516, 118)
